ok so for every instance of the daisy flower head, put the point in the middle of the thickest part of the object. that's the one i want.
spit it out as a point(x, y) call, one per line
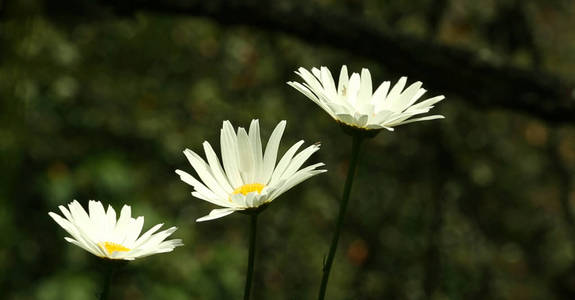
point(98, 232)
point(354, 104)
point(250, 178)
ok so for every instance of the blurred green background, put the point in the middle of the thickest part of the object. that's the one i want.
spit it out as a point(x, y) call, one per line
point(99, 103)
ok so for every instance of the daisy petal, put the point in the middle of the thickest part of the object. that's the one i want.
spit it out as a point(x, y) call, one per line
point(259, 176)
point(99, 233)
point(356, 105)
point(216, 214)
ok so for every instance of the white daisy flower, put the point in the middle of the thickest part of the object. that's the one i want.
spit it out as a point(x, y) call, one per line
point(250, 178)
point(99, 233)
point(354, 103)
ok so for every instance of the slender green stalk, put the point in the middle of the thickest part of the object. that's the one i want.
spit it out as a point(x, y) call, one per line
point(357, 139)
point(109, 272)
point(250, 272)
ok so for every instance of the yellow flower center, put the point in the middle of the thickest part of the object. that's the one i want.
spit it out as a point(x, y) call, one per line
point(248, 188)
point(113, 247)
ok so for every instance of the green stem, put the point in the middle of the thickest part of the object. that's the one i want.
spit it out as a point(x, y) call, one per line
point(109, 273)
point(249, 275)
point(357, 139)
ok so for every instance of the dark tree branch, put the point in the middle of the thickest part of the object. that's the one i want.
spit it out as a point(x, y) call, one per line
point(448, 70)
